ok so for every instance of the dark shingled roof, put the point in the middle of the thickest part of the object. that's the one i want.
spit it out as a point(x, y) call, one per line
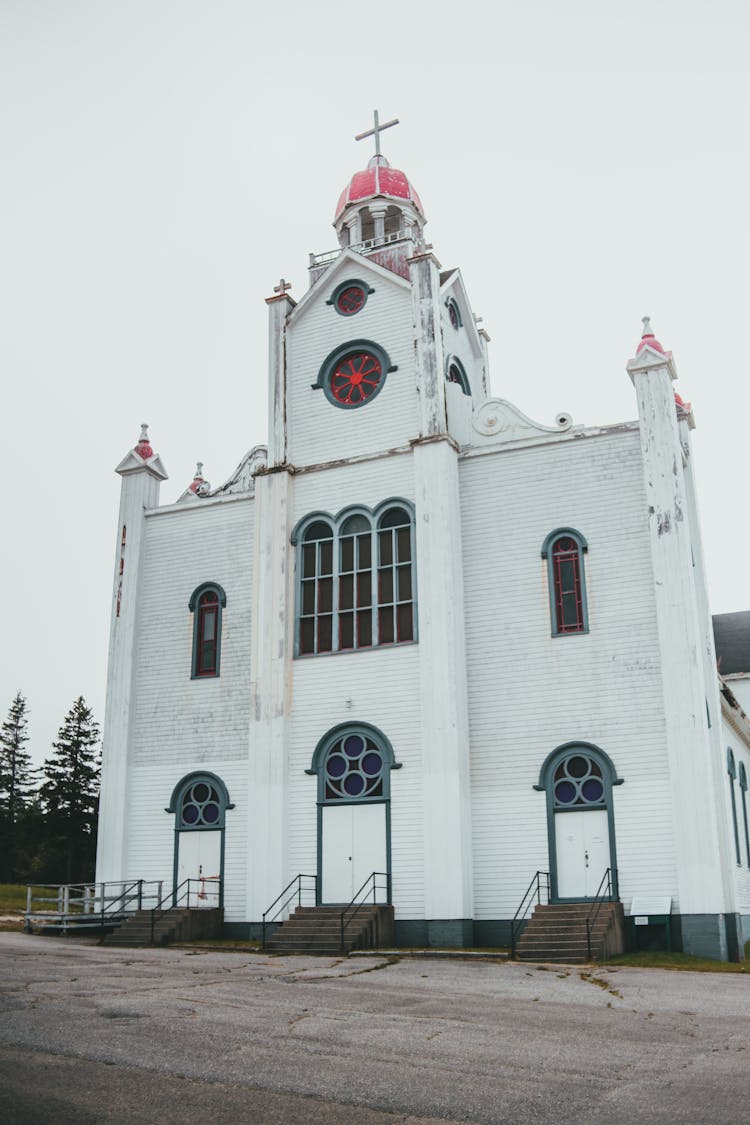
point(732, 640)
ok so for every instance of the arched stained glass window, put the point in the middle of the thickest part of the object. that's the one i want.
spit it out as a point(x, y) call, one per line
point(356, 582)
point(206, 605)
point(578, 781)
point(199, 801)
point(564, 550)
point(732, 771)
point(354, 768)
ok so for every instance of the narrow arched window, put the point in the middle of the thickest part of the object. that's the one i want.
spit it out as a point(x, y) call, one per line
point(564, 550)
point(455, 372)
point(395, 609)
point(743, 798)
point(316, 608)
point(206, 605)
point(732, 771)
point(356, 587)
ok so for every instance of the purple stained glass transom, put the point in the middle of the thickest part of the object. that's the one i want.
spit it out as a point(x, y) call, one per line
point(578, 781)
point(354, 769)
point(200, 806)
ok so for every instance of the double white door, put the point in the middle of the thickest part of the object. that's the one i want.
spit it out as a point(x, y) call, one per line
point(199, 859)
point(582, 844)
point(353, 846)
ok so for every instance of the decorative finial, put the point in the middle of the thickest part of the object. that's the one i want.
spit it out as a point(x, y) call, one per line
point(282, 287)
point(198, 471)
point(647, 329)
point(376, 131)
point(143, 448)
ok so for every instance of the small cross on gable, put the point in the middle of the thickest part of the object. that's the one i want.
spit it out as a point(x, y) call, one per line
point(376, 131)
point(282, 287)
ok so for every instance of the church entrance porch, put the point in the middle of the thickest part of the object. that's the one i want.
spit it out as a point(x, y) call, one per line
point(578, 780)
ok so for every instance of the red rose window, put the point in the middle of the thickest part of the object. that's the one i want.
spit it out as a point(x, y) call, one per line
point(351, 300)
point(355, 378)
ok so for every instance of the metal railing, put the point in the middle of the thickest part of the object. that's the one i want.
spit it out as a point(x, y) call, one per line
point(191, 892)
point(608, 891)
point(534, 890)
point(295, 889)
point(68, 906)
point(349, 913)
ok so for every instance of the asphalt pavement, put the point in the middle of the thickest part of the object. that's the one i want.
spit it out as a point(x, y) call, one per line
point(94, 1034)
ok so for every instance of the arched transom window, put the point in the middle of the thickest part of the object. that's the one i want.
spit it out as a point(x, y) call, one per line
point(200, 801)
point(578, 780)
point(354, 768)
point(356, 587)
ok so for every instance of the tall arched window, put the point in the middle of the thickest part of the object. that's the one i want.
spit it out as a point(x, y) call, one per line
point(732, 771)
point(356, 581)
point(206, 605)
point(743, 798)
point(564, 550)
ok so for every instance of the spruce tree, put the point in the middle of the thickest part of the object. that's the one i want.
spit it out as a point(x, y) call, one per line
point(16, 785)
point(70, 797)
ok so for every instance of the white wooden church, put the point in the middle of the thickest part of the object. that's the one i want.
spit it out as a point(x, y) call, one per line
point(422, 635)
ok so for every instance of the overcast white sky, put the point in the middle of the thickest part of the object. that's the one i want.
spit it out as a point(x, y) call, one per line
point(164, 162)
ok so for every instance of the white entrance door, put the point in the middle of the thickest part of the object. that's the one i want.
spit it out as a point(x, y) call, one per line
point(353, 847)
point(199, 860)
point(582, 846)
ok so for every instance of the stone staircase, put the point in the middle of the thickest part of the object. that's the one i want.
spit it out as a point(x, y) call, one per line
point(557, 932)
point(171, 925)
point(317, 929)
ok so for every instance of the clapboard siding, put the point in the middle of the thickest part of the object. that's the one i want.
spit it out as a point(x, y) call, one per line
point(530, 692)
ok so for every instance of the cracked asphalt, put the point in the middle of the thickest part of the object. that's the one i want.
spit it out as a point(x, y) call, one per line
point(91, 1034)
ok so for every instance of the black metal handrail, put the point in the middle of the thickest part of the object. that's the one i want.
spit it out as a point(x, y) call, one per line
point(180, 892)
point(354, 907)
point(293, 889)
point(534, 889)
point(127, 895)
point(609, 895)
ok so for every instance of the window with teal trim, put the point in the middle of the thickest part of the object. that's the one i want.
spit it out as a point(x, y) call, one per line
point(578, 781)
point(199, 802)
point(354, 768)
point(743, 798)
point(732, 771)
point(456, 373)
point(353, 762)
point(356, 579)
point(564, 550)
point(206, 604)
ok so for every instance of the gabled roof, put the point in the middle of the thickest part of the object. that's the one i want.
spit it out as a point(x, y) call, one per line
point(732, 640)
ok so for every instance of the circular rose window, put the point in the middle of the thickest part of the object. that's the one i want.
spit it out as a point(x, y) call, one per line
point(350, 296)
point(355, 378)
point(354, 373)
point(350, 300)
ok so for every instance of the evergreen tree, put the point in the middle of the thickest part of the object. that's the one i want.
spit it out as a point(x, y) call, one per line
point(70, 797)
point(16, 786)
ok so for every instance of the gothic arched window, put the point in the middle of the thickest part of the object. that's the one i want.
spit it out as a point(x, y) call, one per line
point(356, 582)
point(206, 605)
point(564, 550)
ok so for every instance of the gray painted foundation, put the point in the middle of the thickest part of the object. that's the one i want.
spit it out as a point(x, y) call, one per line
point(704, 935)
point(434, 933)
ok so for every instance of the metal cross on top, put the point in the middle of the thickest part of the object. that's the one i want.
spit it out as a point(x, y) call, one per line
point(376, 131)
point(282, 287)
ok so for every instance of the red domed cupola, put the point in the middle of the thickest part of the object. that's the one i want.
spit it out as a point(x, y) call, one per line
point(378, 180)
point(378, 206)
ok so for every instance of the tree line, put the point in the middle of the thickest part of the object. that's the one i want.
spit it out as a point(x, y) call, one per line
point(48, 815)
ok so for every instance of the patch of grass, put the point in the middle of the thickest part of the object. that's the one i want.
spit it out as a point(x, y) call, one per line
point(684, 962)
point(12, 898)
